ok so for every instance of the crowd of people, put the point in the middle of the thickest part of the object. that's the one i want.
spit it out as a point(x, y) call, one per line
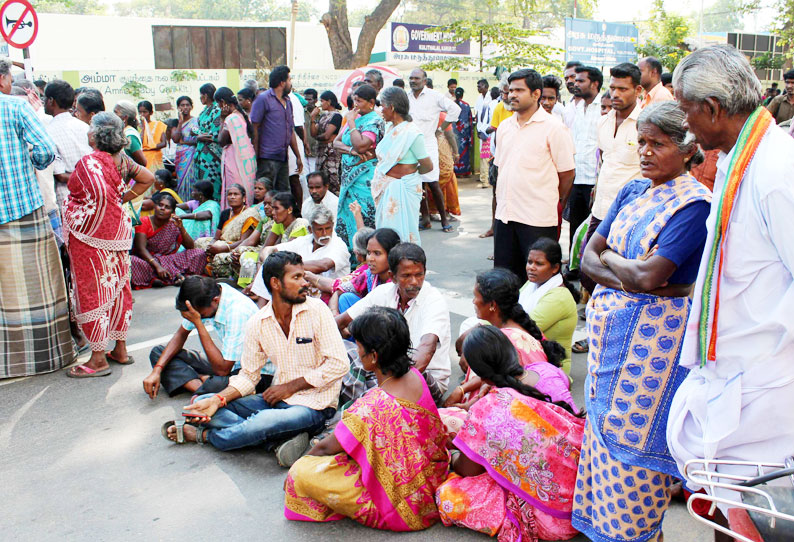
point(333, 349)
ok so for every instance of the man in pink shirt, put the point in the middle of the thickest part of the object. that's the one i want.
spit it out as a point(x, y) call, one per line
point(535, 157)
point(651, 81)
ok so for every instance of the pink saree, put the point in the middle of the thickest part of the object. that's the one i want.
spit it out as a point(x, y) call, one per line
point(395, 458)
point(238, 161)
point(530, 452)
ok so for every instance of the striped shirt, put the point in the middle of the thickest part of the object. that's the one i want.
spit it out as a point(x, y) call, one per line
point(313, 350)
point(19, 127)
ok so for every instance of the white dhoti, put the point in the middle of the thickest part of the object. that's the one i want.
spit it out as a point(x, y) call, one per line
point(431, 146)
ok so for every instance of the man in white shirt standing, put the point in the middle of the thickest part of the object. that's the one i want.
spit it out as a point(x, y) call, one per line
point(424, 309)
point(569, 75)
point(737, 402)
point(426, 108)
point(587, 86)
point(482, 111)
point(318, 183)
point(617, 140)
point(70, 135)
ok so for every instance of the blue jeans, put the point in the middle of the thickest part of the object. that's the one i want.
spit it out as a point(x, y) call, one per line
point(251, 421)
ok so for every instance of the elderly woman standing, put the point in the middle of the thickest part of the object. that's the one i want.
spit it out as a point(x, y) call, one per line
point(153, 139)
point(357, 143)
point(126, 111)
point(644, 258)
point(397, 186)
point(98, 236)
point(207, 160)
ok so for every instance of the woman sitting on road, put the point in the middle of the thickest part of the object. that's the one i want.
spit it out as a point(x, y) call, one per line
point(200, 215)
point(548, 298)
point(155, 260)
point(235, 225)
point(386, 457)
point(515, 474)
point(163, 183)
point(287, 221)
point(496, 301)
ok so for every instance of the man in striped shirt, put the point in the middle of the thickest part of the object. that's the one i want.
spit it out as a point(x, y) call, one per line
point(299, 335)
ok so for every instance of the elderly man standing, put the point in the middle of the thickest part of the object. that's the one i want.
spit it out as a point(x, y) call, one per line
point(323, 252)
point(651, 81)
point(426, 108)
point(737, 403)
point(34, 314)
point(374, 79)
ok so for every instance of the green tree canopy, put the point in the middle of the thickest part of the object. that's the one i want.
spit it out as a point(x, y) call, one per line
point(667, 34)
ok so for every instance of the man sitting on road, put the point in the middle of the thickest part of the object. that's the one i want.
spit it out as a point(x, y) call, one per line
point(424, 309)
point(323, 252)
point(318, 183)
point(300, 337)
point(203, 302)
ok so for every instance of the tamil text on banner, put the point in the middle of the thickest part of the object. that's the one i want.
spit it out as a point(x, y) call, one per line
point(599, 43)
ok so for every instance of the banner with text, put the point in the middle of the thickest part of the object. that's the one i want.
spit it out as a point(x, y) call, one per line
point(598, 43)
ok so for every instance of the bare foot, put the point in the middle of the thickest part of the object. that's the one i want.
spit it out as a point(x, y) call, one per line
point(489, 233)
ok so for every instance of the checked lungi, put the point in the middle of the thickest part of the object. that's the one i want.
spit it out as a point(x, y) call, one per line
point(34, 314)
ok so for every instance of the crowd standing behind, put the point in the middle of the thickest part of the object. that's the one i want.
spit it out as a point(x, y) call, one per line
point(677, 191)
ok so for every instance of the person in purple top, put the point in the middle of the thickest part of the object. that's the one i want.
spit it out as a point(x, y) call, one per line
point(274, 133)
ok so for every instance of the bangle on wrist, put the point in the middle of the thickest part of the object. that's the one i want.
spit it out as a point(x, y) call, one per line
point(222, 399)
point(601, 257)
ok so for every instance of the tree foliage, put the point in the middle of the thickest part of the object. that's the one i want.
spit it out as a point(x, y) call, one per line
point(668, 32)
point(73, 7)
point(723, 16)
point(228, 10)
point(784, 24)
point(503, 45)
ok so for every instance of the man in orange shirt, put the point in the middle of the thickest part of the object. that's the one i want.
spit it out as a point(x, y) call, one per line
point(535, 157)
point(651, 81)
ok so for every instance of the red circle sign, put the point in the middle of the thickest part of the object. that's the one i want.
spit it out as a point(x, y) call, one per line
point(19, 23)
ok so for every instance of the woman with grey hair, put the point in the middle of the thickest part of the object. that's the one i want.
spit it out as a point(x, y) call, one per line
point(644, 258)
point(126, 111)
point(402, 158)
point(98, 237)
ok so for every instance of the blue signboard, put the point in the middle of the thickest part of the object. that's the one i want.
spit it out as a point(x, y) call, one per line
point(598, 43)
point(423, 38)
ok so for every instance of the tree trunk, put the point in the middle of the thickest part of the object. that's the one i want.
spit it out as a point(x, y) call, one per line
point(336, 25)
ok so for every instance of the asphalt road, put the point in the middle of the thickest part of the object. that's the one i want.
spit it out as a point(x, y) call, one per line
point(84, 459)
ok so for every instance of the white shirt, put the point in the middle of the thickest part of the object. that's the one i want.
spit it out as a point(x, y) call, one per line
point(336, 249)
point(585, 139)
point(559, 111)
point(570, 112)
point(620, 161)
point(741, 406)
point(330, 200)
point(71, 140)
point(297, 119)
point(426, 314)
point(483, 112)
point(426, 112)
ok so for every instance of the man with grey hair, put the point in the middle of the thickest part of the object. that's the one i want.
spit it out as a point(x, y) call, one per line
point(426, 108)
point(323, 252)
point(374, 79)
point(34, 314)
point(737, 402)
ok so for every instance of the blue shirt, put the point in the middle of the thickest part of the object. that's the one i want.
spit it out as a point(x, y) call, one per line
point(19, 127)
point(681, 240)
point(234, 311)
point(275, 125)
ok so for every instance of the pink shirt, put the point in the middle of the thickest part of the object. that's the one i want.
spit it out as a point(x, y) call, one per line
point(657, 94)
point(529, 158)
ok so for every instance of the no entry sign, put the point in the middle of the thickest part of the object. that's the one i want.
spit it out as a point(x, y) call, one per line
point(19, 23)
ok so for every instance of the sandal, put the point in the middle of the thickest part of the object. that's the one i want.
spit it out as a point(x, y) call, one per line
point(180, 430)
point(580, 347)
point(487, 234)
point(128, 361)
point(423, 227)
point(447, 228)
point(87, 372)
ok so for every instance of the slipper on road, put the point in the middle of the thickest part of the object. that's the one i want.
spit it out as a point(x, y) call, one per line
point(84, 371)
point(180, 430)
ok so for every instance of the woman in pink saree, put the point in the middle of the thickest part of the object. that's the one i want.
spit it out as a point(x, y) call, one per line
point(515, 471)
point(387, 456)
point(238, 162)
